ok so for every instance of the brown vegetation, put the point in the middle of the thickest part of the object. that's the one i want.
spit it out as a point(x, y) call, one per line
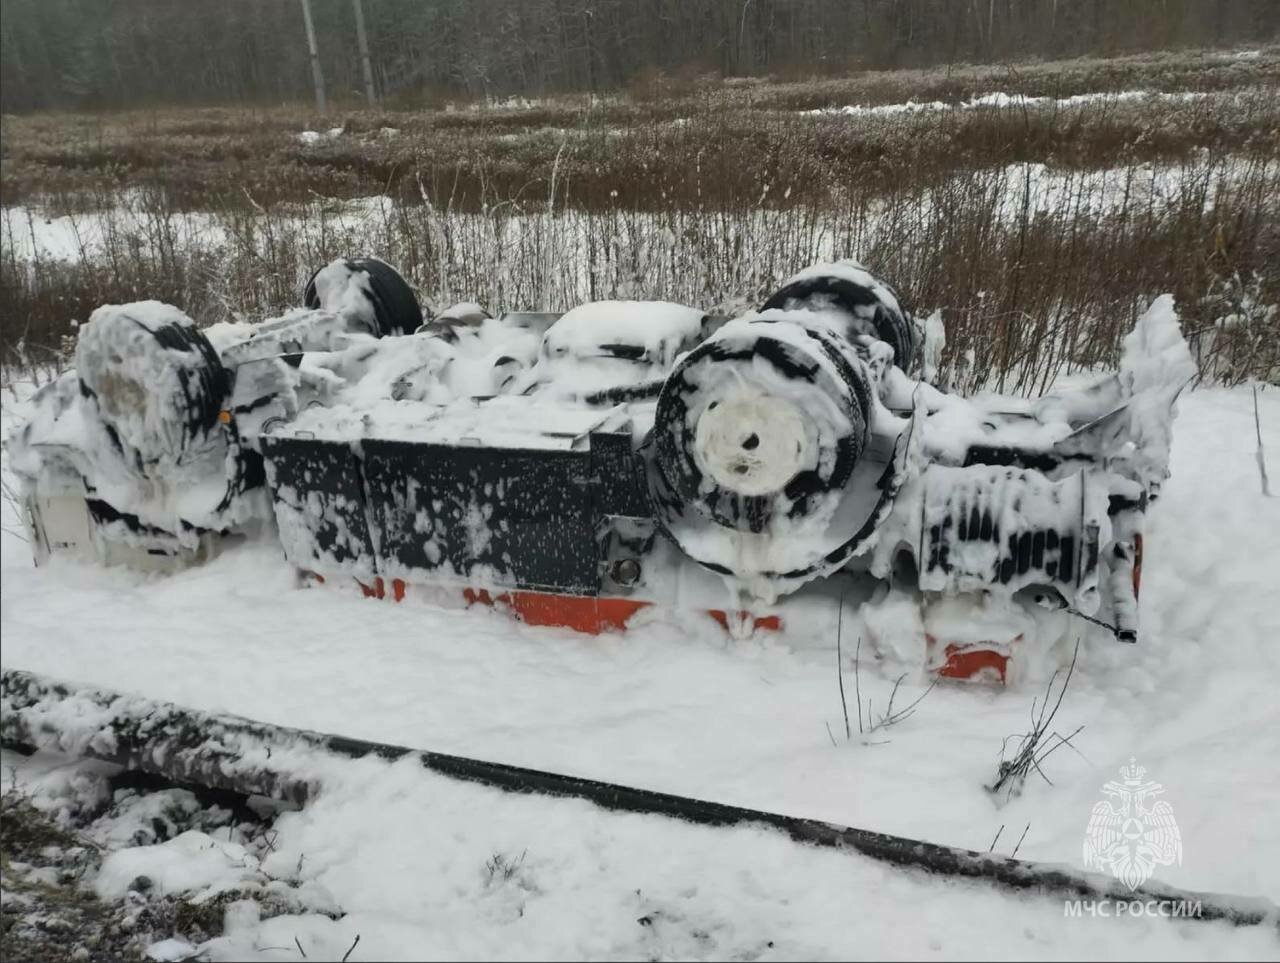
point(712, 144)
point(1040, 230)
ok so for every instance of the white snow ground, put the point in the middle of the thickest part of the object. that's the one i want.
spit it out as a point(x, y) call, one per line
point(675, 706)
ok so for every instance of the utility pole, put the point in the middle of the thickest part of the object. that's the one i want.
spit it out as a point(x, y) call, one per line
point(316, 75)
point(364, 53)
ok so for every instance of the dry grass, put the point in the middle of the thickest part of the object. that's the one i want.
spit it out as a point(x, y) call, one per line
point(707, 142)
point(706, 193)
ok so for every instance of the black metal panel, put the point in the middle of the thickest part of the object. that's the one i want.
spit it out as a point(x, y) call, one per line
point(618, 472)
point(520, 518)
point(319, 499)
point(1042, 461)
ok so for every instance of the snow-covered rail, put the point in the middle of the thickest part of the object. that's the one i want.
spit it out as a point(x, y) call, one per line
point(233, 753)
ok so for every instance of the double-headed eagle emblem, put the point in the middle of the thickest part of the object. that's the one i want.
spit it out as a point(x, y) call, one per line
point(1132, 832)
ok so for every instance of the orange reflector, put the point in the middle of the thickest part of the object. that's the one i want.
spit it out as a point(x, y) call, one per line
point(224, 417)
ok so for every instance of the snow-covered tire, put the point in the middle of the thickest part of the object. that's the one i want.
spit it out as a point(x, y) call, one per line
point(157, 382)
point(871, 306)
point(395, 307)
point(758, 427)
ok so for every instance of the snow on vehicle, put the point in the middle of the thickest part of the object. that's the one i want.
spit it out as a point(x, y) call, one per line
point(578, 469)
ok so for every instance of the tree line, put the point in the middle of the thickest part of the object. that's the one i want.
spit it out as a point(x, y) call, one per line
point(96, 54)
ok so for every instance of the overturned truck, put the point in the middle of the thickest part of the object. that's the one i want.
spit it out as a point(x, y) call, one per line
point(578, 469)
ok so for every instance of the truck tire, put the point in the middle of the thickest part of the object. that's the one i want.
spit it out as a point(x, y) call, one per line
point(158, 384)
point(395, 307)
point(758, 426)
point(869, 304)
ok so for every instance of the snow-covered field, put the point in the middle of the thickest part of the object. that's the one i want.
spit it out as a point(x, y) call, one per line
point(676, 706)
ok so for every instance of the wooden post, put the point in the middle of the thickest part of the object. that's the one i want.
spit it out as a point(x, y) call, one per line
point(316, 74)
point(363, 40)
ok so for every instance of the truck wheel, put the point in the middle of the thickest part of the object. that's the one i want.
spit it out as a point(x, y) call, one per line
point(395, 308)
point(158, 384)
point(759, 426)
point(869, 305)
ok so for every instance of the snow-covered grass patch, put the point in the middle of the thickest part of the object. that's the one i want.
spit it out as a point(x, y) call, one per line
point(1031, 265)
point(193, 861)
point(1002, 99)
point(308, 137)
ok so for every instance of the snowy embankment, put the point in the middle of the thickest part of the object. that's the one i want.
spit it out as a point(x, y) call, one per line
point(675, 706)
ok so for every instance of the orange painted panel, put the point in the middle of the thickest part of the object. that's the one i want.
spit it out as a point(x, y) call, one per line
point(375, 591)
point(578, 612)
point(966, 661)
point(768, 623)
point(582, 613)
